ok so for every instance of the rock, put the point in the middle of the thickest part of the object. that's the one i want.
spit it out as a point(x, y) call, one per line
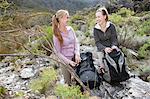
point(95, 97)
point(6, 69)
point(27, 73)
point(83, 28)
point(134, 88)
point(51, 97)
point(3, 65)
point(8, 79)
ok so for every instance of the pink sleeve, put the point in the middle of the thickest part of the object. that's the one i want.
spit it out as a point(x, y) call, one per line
point(58, 50)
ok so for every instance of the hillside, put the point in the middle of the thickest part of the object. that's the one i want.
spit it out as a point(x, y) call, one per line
point(57, 4)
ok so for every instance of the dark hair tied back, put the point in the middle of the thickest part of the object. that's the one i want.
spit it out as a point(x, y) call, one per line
point(56, 18)
point(104, 12)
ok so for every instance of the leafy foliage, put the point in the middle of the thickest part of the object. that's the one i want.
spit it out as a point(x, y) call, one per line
point(124, 16)
point(144, 50)
point(48, 31)
point(19, 94)
point(144, 28)
point(74, 19)
point(4, 5)
point(124, 12)
point(117, 19)
point(69, 92)
point(3, 91)
point(45, 81)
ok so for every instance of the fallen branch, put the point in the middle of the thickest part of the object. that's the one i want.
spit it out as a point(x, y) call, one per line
point(68, 67)
point(16, 55)
point(10, 31)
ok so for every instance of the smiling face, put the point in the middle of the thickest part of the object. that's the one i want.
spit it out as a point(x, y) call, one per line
point(64, 19)
point(100, 18)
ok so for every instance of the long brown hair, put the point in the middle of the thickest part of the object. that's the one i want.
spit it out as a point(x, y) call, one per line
point(55, 23)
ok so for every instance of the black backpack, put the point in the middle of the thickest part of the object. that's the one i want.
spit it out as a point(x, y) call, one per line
point(87, 72)
point(115, 67)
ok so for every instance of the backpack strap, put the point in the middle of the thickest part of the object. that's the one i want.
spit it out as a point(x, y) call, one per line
point(111, 61)
point(121, 60)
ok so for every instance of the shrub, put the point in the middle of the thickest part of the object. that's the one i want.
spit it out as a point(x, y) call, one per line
point(144, 28)
point(124, 12)
point(48, 31)
point(117, 19)
point(69, 92)
point(45, 81)
point(19, 94)
point(3, 91)
point(76, 17)
point(144, 51)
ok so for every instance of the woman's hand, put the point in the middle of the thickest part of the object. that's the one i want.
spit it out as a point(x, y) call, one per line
point(108, 49)
point(72, 63)
point(77, 59)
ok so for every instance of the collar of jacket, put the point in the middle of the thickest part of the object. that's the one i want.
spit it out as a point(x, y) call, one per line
point(97, 26)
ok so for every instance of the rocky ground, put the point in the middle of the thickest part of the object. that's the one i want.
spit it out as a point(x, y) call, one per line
point(16, 74)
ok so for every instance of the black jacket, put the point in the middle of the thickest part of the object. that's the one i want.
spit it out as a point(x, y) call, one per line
point(107, 39)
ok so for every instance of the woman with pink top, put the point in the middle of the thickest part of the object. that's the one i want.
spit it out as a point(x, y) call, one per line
point(65, 42)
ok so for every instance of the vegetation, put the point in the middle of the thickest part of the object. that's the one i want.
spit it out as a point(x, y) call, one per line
point(124, 12)
point(46, 80)
point(19, 94)
point(69, 92)
point(144, 51)
point(48, 31)
point(3, 92)
point(32, 23)
point(144, 28)
point(4, 5)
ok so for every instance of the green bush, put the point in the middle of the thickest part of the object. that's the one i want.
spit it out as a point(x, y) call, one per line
point(76, 17)
point(144, 50)
point(73, 19)
point(3, 91)
point(69, 92)
point(133, 21)
point(124, 12)
point(19, 94)
point(117, 19)
point(46, 80)
point(48, 31)
point(144, 28)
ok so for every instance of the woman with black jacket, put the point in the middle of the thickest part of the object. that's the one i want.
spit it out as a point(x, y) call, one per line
point(105, 35)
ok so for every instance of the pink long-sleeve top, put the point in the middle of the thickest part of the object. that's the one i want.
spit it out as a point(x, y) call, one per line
point(70, 45)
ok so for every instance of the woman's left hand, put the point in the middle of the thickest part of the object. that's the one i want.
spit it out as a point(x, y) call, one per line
point(77, 59)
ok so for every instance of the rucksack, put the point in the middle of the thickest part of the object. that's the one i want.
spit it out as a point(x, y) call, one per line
point(87, 72)
point(115, 67)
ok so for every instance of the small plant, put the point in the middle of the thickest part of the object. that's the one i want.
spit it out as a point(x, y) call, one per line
point(144, 73)
point(143, 51)
point(117, 19)
point(144, 28)
point(4, 5)
point(124, 12)
point(19, 94)
point(45, 81)
point(48, 31)
point(3, 92)
point(76, 17)
point(69, 92)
